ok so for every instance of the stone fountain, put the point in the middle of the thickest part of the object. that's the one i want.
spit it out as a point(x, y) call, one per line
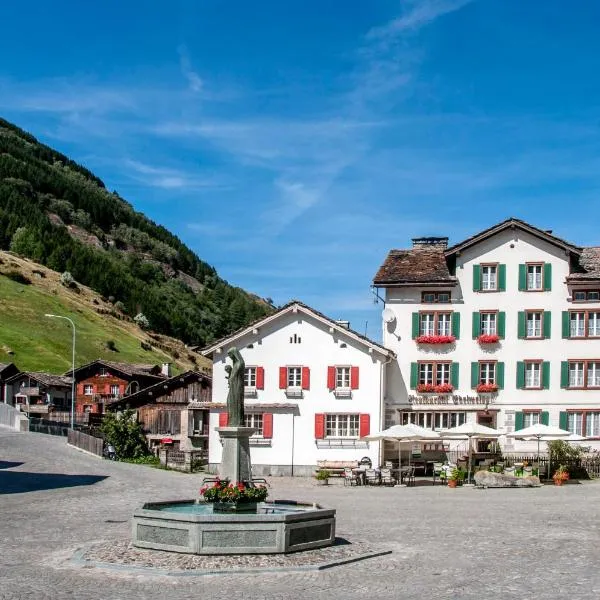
point(192, 526)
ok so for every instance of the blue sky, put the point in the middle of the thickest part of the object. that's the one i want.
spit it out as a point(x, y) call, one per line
point(292, 144)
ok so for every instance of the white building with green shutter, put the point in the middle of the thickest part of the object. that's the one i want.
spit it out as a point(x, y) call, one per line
point(502, 328)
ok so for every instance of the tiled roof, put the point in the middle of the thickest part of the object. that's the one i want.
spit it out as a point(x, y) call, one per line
point(418, 265)
point(123, 367)
point(513, 222)
point(589, 261)
point(350, 332)
point(48, 379)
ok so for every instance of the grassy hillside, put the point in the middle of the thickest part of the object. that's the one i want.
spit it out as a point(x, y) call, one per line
point(59, 214)
point(35, 342)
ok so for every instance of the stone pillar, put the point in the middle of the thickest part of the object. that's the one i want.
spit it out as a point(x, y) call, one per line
point(235, 461)
point(162, 455)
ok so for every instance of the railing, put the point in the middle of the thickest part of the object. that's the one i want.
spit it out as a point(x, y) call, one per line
point(86, 442)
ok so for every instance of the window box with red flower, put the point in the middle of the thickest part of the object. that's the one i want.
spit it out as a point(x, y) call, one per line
point(435, 339)
point(430, 388)
point(486, 338)
point(487, 388)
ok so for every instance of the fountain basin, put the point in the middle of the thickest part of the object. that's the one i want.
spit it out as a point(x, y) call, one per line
point(192, 527)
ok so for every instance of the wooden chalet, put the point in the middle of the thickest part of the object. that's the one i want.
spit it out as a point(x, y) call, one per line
point(174, 411)
point(38, 393)
point(7, 370)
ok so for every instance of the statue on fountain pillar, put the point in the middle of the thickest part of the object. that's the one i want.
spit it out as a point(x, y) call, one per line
point(235, 396)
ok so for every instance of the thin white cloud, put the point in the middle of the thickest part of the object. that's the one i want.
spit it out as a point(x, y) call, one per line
point(194, 80)
point(169, 178)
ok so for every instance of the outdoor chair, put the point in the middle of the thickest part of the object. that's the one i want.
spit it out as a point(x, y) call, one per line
point(509, 471)
point(350, 478)
point(389, 464)
point(386, 477)
point(372, 477)
point(438, 472)
point(409, 476)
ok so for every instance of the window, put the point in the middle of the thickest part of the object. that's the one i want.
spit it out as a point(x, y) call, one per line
point(534, 277)
point(103, 373)
point(434, 373)
point(584, 422)
point(197, 421)
point(87, 408)
point(254, 420)
point(114, 390)
point(342, 377)
point(488, 323)
point(433, 420)
point(586, 296)
point(435, 297)
point(487, 373)
point(88, 390)
point(530, 418)
point(489, 279)
point(341, 426)
point(533, 375)
point(575, 423)
point(592, 424)
point(576, 374)
point(435, 323)
point(593, 374)
point(294, 377)
point(584, 324)
point(534, 324)
point(250, 377)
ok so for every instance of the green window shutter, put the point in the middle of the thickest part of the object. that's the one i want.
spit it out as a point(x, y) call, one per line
point(522, 277)
point(476, 324)
point(547, 277)
point(547, 322)
point(501, 278)
point(454, 374)
point(520, 375)
point(564, 374)
point(563, 421)
point(415, 325)
point(545, 418)
point(545, 375)
point(500, 375)
point(474, 374)
point(566, 324)
point(521, 329)
point(502, 324)
point(414, 375)
point(518, 421)
point(476, 278)
point(456, 325)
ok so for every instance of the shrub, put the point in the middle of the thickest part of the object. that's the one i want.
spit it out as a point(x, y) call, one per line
point(68, 280)
point(146, 346)
point(125, 433)
point(323, 475)
point(110, 345)
point(141, 320)
point(18, 277)
point(120, 306)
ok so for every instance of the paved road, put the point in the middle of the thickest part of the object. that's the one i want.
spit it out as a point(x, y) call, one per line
point(464, 543)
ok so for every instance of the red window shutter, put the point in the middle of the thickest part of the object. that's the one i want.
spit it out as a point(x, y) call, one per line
point(331, 378)
point(354, 378)
point(364, 425)
point(260, 378)
point(268, 425)
point(282, 378)
point(319, 426)
point(107, 388)
point(305, 378)
point(223, 419)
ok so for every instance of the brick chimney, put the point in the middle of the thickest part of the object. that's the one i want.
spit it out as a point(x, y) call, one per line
point(439, 243)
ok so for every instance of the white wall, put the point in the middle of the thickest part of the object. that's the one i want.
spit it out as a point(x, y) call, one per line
point(510, 248)
point(293, 441)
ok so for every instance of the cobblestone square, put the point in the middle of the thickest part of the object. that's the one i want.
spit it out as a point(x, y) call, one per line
point(465, 543)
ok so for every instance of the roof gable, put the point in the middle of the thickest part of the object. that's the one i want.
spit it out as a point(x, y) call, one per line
point(293, 307)
point(49, 379)
point(128, 369)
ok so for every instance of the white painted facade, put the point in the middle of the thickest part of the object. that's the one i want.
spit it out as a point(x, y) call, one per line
point(298, 337)
point(510, 247)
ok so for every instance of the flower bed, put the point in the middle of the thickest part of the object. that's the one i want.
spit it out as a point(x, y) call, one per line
point(435, 339)
point(225, 492)
point(488, 339)
point(487, 388)
point(430, 388)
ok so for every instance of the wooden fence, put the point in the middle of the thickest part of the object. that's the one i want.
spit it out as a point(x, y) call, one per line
point(86, 442)
point(589, 465)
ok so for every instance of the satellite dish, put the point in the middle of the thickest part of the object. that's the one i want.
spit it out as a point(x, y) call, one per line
point(388, 315)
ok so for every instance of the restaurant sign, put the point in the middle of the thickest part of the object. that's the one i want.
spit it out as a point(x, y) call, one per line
point(452, 400)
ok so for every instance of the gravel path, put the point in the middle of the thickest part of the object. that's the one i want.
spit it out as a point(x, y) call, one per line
point(466, 543)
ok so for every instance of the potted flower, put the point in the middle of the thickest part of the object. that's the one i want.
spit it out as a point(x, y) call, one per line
point(487, 388)
point(455, 477)
point(233, 497)
point(435, 339)
point(426, 388)
point(444, 388)
point(323, 476)
point(560, 475)
point(488, 338)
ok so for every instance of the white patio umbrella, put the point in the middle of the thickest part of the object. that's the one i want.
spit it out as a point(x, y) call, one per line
point(470, 431)
point(403, 433)
point(545, 433)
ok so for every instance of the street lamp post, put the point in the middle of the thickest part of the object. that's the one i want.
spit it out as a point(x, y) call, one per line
point(72, 368)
